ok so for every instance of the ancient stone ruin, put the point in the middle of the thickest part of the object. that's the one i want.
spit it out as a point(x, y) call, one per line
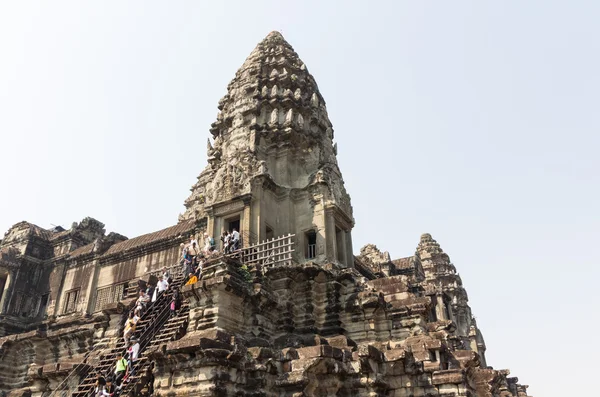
point(292, 313)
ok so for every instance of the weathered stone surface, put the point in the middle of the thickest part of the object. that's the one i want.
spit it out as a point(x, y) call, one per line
point(321, 323)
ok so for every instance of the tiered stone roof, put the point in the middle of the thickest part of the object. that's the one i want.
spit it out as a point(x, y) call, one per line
point(272, 103)
point(162, 235)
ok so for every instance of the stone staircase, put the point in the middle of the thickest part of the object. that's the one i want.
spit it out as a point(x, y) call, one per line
point(154, 328)
point(173, 328)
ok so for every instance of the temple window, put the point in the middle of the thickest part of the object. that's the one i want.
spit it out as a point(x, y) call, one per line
point(432, 311)
point(270, 234)
point(443, 361)
point(70, 304)
point(43, 304)
point(311, 244)
point(448, 309)
point(233, 223)
point(432, 355)
point(108, 295)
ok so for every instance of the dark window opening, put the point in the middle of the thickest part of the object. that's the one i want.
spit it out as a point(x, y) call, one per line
point(270, 233)
point(443, 362)
point(232, 223)
point(43, 304)
point(432, 356)
point(432, 313)
point(447, 309)
point(311, 244)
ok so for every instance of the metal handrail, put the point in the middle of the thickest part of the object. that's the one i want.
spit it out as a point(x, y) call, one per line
point(61, 387)
point(158, 324)
point(151, 330)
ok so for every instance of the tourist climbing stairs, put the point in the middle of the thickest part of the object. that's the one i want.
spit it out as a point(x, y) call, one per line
point(173, 328)
point(154, 324)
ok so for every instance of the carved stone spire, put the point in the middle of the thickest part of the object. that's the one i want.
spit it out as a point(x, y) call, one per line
point(444, 284)
point(272, 129)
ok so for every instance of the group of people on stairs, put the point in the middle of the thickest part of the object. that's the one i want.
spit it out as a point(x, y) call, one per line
point(193, 259)
point(124, 367)
point(230, 241)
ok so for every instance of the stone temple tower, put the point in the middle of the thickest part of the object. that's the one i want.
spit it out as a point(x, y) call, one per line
point(272, 165)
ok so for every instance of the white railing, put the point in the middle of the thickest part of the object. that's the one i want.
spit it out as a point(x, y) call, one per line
point(274, 252)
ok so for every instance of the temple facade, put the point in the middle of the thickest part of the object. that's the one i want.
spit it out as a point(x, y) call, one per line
point(294, 312)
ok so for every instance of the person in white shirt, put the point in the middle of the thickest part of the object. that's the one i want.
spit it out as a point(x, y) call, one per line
point(235, 240)
point(161, 286)
point(142, 301)
point(193, 241)
point(134, 351)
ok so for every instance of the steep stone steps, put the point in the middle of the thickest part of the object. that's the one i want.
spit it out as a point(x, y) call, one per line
point(154, 327)
point(172, 329)
point(106, 363)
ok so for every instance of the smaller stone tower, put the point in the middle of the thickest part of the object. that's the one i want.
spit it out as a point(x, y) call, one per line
point(272, 166)
point(448, 295)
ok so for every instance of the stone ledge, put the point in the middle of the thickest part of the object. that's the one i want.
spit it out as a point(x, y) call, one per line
point(454, 376)
point(321, 351)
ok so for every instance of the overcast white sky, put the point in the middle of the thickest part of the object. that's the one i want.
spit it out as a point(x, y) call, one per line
point(475, 121)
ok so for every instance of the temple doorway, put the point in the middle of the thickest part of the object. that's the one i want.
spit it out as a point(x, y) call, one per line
point(232, 223)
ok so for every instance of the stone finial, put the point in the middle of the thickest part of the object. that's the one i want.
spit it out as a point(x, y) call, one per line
point(274, 36)
point(426, 237)
point(428, 244)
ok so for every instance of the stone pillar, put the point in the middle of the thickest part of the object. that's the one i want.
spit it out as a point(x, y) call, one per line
point(349, 253)
point(440, 308)
point(342, 255)
point(210, 224)
point(330, 243)
point(91, 291)
point(3, 280)
point(258, 225)
point(246, 232)
point(320, 227)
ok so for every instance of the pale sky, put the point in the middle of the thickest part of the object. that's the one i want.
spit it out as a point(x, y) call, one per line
point(475, 121)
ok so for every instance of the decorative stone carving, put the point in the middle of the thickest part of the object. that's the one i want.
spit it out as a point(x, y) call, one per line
point(382, 327)
point(249, 129)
